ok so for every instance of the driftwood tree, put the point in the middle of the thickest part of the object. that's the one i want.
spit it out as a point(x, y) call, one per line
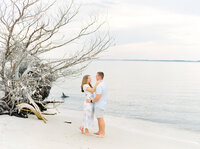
point(28, 30)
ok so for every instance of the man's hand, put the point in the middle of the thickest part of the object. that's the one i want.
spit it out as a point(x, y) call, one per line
point(88, 100)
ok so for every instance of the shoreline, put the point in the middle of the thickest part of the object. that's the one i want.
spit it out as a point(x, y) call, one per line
point(145, 120)
point(121, 133)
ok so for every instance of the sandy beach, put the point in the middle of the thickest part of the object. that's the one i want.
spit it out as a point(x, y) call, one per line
point(138, 59)
point(19, 133)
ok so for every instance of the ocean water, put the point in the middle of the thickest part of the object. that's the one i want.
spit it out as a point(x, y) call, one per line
point(163, 92)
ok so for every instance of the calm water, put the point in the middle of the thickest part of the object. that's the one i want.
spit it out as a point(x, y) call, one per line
point(164, 92)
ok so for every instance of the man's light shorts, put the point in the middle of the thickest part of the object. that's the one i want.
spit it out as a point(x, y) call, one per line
point(99, 112)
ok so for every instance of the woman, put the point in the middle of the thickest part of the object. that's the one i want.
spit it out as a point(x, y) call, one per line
point(88, 117)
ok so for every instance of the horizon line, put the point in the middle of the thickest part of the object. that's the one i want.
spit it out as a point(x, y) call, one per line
point(150, 60)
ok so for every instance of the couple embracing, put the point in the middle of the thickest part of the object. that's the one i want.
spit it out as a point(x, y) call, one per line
point(94, 104)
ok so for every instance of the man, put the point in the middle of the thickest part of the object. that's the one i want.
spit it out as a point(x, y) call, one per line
point(100, 103)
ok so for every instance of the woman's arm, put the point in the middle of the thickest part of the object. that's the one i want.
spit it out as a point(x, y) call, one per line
point(92, 90)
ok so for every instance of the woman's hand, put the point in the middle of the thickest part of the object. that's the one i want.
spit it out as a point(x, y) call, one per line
point(88, 100)
point(98, 82)
point(92, 90)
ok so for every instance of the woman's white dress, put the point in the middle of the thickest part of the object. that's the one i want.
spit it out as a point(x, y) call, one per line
point(88, 117)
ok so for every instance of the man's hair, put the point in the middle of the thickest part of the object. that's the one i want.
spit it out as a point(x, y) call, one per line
point(101, 74)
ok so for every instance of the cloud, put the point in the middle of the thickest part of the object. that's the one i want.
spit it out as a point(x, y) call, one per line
point(149, 29)
point(176, 6)
point(145, 28)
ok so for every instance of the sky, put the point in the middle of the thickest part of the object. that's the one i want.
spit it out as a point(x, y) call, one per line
point(157, 29)
point(146, 29)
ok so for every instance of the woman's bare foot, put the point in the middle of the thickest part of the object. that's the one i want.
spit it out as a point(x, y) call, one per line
point(88, 134)
point(81, 128)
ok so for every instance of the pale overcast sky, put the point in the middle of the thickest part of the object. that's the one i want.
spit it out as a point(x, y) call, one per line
point(150, 29)
point(158, 29)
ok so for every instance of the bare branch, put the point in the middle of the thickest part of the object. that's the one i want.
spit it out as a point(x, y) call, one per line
point(28, 29)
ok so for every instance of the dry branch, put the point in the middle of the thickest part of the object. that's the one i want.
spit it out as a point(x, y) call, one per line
point(25, 106)
point(28, 29)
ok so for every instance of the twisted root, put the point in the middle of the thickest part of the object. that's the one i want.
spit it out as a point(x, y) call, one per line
point(28, 107)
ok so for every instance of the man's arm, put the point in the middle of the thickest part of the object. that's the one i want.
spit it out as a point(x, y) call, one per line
point(98, 96)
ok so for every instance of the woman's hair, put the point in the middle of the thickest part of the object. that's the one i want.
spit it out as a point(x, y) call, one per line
point(84, 81)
